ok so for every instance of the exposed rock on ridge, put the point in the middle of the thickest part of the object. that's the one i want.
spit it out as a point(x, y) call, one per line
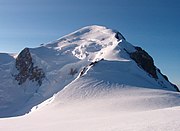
point(145, 61)
point(166, 78)
point(119, 36)
point(27, 70)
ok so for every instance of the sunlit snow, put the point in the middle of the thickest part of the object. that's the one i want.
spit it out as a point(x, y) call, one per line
point(91, 84)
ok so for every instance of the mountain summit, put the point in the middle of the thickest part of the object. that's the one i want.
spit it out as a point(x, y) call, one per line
point(93, 52)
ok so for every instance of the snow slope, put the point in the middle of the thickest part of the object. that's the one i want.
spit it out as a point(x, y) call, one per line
point(90, 82)
point(88, 120)
point(93, 102)
point(96, 105)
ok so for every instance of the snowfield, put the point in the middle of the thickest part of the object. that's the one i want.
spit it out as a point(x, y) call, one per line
point(127, 110)
point(90, 83)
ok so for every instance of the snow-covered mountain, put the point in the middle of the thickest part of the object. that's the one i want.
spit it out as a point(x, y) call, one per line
point(91, 62)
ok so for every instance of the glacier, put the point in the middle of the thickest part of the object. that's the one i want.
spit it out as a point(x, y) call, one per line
point(91, 79)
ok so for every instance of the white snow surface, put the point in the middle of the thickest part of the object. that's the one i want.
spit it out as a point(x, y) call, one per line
point(102, 107)
point(91, 84)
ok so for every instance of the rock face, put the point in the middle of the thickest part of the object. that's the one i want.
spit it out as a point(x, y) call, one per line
point(144, 60)
point(119, 36)
point(27, 70)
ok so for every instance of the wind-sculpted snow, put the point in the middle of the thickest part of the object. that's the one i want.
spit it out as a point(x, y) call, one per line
point(92, 104)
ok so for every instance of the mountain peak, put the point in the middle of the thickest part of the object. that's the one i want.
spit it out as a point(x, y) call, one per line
point(93, 52)
point(95, 27)
point(93, 32)
point(91, 40)
point(92, 44)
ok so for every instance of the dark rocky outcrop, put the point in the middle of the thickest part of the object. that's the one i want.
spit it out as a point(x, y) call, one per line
point(144, 60)
point(91, 64)
point(26, 68)
point(164, 76)
point(177, 89)
point(119, 36)
point(73, 71)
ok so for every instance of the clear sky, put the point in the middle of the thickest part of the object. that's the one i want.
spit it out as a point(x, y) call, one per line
point(152, 24)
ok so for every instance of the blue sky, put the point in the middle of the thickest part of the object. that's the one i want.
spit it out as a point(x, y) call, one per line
point(152, 24)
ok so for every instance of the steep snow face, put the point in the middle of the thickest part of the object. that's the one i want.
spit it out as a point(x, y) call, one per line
point(46, 70)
